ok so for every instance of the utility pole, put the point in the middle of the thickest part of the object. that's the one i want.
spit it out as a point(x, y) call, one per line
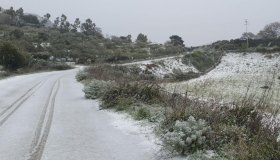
point(247, 36)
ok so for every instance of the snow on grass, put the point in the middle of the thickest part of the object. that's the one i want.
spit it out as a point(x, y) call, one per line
point(236, 76)
point(163, 66)
point(129, 126)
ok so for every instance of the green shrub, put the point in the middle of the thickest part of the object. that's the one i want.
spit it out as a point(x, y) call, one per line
point(4, 74)
point(117, 58)
point(96, 88)
point(202, 61)
point(17, 33)
point(123, 103)
point(178, 75)
point(138, 92)
point(38, 64)
point(118, 73)
point(143, 113)
point(41, 64)
point(187, 136)
point(11, 57)
point(60, 66)
point(81, 75)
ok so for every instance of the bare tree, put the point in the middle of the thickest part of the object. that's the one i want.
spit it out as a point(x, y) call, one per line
point(271, 31)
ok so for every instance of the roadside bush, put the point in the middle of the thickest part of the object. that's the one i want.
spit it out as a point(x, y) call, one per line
point(117, 73)
point(4, 74)
point(60, 66)
point(143, 113)
point(96, 88)
point(81, 75)
point(123, 103)
point(107, 72)
point(135, 92)
point(11, 57)
point(187, 136)
point(40, 65)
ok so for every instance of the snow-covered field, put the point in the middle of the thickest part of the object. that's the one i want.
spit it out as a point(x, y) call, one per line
point(237, 75)
point(163, 66)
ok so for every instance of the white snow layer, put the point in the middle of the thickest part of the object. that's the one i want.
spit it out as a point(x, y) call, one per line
point(252, 63)
point(163, 66)
point(237, 75)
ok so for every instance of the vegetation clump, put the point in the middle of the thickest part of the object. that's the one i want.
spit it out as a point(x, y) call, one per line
point(135, 93)
point(178, 75)
point(187, 136)
point(143, 113)
point(11, 58)
point(81, 75)
point(202, 61)
point(96, 88)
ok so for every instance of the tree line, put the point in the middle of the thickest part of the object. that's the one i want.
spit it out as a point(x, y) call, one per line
point(19, 18)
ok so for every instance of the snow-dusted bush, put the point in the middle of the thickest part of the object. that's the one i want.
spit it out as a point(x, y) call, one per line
point(143, 113)
point(81, 75)
point(125, 94)
point(4, 74)
point(96, 88)
point(187, 136)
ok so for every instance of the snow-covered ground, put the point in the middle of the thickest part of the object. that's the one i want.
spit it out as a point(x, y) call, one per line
point(45, 116)
point(163, 66)
point(236, 76)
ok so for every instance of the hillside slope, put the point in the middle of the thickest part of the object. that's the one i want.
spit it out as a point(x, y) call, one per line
point(236, 76)
point(164, 66)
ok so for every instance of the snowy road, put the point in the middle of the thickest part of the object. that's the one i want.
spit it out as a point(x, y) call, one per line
point(45, 116)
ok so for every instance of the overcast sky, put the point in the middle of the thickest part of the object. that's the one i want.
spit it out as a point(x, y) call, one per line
point(196, 21)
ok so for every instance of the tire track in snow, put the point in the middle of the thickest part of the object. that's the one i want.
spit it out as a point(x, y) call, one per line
point(44, 125)
point(10, 110)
